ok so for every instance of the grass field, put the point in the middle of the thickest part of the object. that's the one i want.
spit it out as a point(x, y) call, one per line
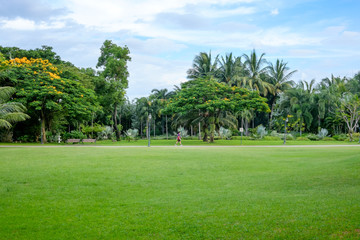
point(180, 193)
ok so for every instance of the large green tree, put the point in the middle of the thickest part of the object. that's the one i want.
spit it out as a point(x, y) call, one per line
point(45, 93)
point(280, 78)
point(113, 61)
point(210, 99)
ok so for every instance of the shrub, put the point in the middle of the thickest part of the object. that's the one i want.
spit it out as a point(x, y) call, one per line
point(340, 137)
point(106, 133)
point(313, 137)
point(261, 131)
point(274, 134)
point(302, 139)
point(323, 133)
point(271, 138)
point(131, 134)
point(288, 136)
point(74, 134)
point(328, 139)
point(225, 133)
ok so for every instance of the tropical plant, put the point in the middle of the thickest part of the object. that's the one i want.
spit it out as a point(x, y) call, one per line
point(323, 133)
point(10, 112)
point(225, 133)
point(203, 66)
point(231, 70)
point(254, 66)
point(349, 111)
point(131, 134)
point(261, 131)
point(280, 80)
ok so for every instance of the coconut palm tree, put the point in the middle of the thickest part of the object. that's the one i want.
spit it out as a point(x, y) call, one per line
point(203, 66)
point(160, 97)
point(10, 112)
point(280, 80)
point(231, 70)
point(254, 66)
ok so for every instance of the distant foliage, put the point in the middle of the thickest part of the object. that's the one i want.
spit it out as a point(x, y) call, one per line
point(183, 132)
point(225, 133)
point(131, 134)
point(261, 131)
point(323, 133)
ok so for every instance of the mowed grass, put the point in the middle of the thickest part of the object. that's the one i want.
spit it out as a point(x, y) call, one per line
point(180, 193)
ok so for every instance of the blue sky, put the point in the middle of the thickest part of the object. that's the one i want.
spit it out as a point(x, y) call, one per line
point(316, 37)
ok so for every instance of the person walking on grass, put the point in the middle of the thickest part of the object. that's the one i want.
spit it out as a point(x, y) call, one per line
point(178, 139)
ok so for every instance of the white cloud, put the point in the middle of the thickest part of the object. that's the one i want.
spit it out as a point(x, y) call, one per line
point(275, 11)
point(29, 25)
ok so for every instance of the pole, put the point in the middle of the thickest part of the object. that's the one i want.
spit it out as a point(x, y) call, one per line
point(149, 119)
point(241, 137)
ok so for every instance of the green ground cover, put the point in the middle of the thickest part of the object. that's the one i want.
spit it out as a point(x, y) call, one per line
point(180, 193)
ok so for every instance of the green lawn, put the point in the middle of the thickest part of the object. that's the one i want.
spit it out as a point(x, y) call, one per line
point(180, 193)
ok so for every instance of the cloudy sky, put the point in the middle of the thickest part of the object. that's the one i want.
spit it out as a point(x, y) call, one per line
point(316, 37)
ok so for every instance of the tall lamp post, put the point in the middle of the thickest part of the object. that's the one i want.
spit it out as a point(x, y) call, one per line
point(286, 120)
point(149, 119)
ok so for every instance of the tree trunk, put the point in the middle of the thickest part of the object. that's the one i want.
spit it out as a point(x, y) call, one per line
point(212, 129)
point(43, 132)
point(166, 120)
point(117, 132)
point(154, 127)
point(199, 131)
point(205, 138)
point(271, 115)
point(141, 133)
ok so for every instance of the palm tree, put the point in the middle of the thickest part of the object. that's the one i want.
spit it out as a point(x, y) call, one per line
point(308, 86)
point(255, 69)
point(280, 80)
point(299, 103)
point(335, 85)
point(10, 112)
point(230, 70)
point(161, 96)
point(203, 66)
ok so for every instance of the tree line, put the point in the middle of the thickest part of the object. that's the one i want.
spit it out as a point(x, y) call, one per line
point(43, 98)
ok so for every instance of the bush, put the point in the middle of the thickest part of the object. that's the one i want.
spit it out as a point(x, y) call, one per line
point(131, 134)
point(313, 137)
point(225, 133)
point(302, 139)
point(74, 134)
point(271, 138)
point(323, 133)
point(106, 133)
point(289, 136)
point(328, 139)
point(340, 137)
point(261, 131)
point(274, 134)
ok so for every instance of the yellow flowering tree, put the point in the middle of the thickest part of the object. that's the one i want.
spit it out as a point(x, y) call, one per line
point(41, 89)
